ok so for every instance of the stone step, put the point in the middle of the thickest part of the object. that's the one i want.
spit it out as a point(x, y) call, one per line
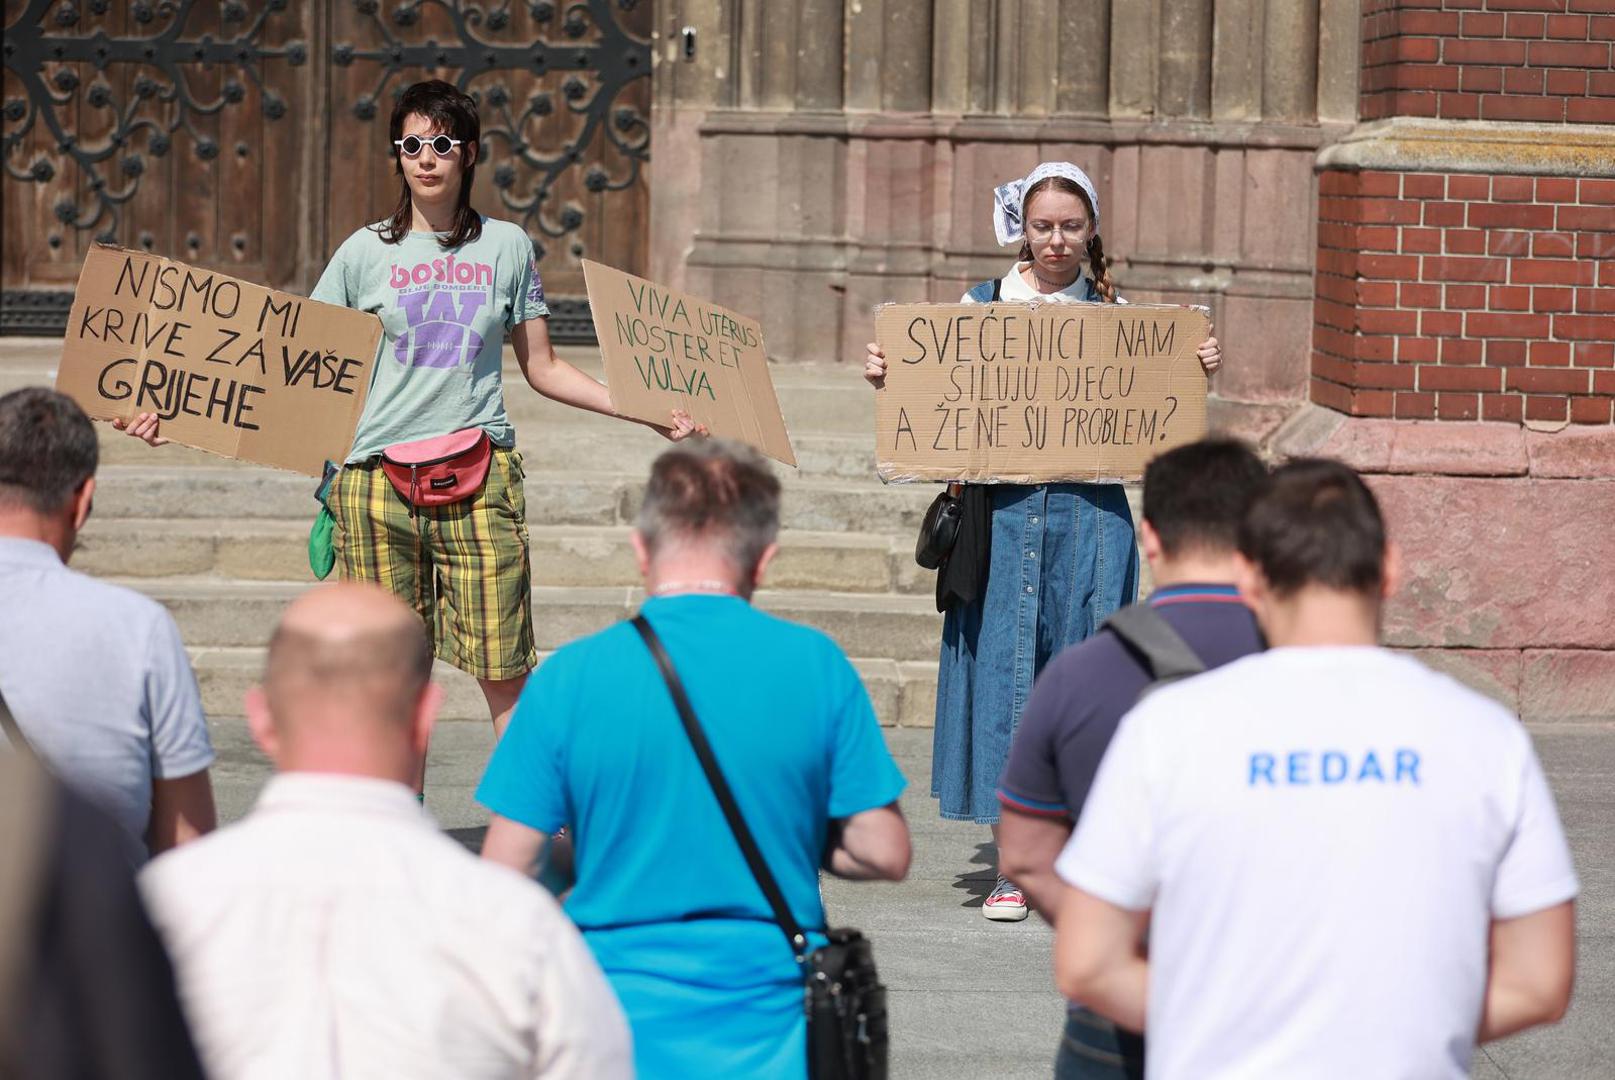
point(233, 613)
point(602, 498)
point(903, 692)
point(30, 356)
point(818, 456)
point(562, 555)
point(13, 377)
point(577, 449)
point(249, 550)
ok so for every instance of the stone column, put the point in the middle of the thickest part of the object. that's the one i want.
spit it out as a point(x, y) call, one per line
point(1084, 59)
point(683, 90)
point(1186, 58)
point(1134, 30)
point(1290, 62)
point(819, 68)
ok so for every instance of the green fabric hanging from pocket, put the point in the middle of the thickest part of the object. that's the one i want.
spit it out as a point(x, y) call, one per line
point(321, 551)
point(321, 545)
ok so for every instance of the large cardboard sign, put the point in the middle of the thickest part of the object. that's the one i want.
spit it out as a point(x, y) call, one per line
point(229, 366)
point(668, 350)
point(1032, 393)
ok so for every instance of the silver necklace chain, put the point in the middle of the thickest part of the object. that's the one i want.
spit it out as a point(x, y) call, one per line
point(1054, 285)
point(701, 585)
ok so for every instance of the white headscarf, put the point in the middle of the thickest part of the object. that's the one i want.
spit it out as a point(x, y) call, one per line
point(1008, 199)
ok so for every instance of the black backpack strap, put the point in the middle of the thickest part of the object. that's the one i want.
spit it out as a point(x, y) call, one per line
point(998, 289)
point(1146, 632)
point(720, 788)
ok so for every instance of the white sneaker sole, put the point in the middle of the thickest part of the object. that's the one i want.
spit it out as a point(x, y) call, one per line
point(1004, 913)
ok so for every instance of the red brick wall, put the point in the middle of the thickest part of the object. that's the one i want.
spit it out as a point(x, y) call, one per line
point(1545, 61)
point(1465, 297)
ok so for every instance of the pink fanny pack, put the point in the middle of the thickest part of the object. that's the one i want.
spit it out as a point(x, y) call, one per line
point(436, 472)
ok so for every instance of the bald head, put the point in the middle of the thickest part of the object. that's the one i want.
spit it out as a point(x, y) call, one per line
point(348, 649)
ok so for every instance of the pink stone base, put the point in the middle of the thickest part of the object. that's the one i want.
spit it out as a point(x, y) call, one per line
point(1507, 539)
point(1542, 685)
point(1562, 684)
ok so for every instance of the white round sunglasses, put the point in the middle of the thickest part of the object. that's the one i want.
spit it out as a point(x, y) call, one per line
point(442, 145)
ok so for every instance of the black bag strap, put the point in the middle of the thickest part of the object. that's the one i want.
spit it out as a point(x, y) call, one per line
point(720, 788)
point(1148, 633)
point(998, 289)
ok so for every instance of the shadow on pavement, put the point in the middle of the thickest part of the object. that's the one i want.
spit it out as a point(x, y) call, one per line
point(469, 838)
point(979, 883)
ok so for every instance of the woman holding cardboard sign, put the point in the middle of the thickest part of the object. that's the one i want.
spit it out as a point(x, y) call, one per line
point(429, 501)
point(1035, 568)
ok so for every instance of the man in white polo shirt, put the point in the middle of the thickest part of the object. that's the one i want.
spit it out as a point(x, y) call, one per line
point(335, 931)
point(1350, 866)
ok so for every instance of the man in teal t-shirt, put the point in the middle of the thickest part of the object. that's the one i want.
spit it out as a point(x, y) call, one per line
point(663, 895)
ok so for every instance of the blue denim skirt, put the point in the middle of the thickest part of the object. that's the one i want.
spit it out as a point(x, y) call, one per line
point(1063, 558)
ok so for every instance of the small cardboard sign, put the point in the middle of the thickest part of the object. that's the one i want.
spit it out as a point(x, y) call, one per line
point(667, 350)
point(1028, 393)
point(230, 367)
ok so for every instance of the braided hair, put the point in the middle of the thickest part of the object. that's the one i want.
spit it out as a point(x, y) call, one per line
point(1098, 261)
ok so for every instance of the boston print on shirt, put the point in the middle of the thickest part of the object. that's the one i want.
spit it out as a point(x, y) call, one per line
point(535, 291)
point(441, 299)
point(446, 314)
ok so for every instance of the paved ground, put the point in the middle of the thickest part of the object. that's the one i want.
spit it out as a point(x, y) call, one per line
point(974, 1000)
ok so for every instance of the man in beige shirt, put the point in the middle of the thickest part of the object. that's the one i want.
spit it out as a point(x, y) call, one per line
point(335, 931)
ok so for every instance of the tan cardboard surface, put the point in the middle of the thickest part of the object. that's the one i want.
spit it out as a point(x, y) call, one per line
point(668, 350)
point(1019, 393)
point(230, 367)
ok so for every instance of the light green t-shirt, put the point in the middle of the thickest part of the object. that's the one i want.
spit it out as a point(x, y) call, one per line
point(445, 315)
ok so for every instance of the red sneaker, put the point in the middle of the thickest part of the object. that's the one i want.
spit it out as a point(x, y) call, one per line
point(1006, 903)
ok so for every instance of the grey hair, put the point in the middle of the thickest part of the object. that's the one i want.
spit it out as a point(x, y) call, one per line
point(711, 492)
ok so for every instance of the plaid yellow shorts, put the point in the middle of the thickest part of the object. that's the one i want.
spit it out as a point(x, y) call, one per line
point(465, 567)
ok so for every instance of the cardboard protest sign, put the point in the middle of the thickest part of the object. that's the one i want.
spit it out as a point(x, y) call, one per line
point(229, 366)
point(668, 350)
point(1032, 393)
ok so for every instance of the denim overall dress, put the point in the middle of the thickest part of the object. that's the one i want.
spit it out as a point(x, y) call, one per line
point(1063, 559)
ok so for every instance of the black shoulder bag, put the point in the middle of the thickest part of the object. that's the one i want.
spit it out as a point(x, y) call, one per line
point(939, 529)
point(844, 999)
